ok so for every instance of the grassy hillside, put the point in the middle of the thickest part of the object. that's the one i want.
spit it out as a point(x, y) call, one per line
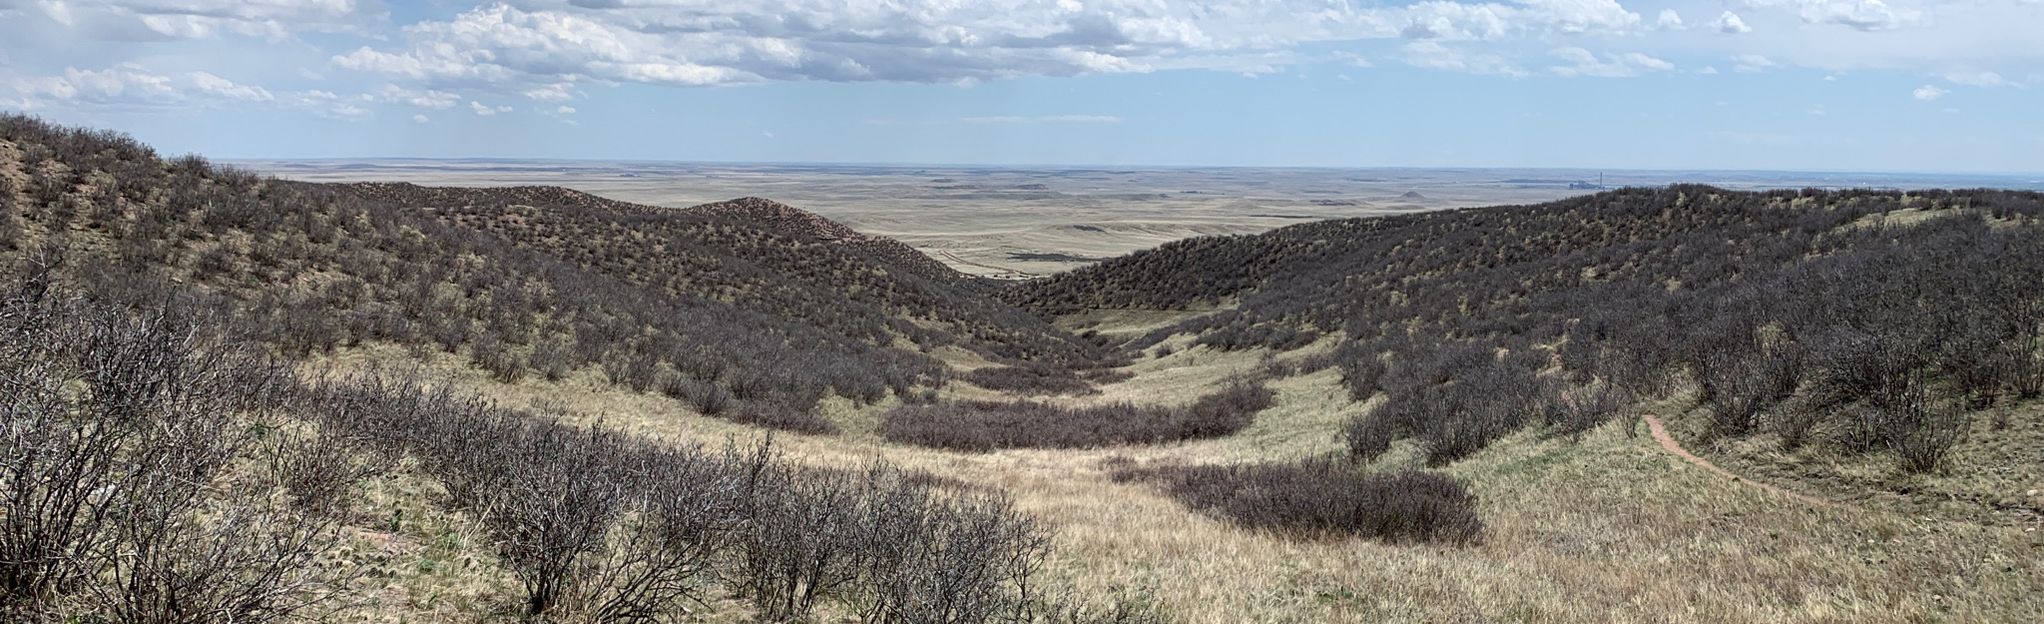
point(714, 309)
point(1829, 324)
point(229, 398)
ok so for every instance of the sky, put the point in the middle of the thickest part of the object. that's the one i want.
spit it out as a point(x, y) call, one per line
point(1808, 85)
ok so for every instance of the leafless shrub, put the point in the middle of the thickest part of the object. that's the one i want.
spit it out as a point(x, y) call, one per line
point(1321, 497)
point(784, 415)
point(989, 425)
point(1029, 380)
point(114, 426)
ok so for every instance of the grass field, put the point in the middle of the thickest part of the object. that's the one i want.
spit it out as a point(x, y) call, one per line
point(1608, 528)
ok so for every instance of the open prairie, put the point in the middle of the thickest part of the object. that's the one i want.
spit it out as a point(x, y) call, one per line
point(1020, 222)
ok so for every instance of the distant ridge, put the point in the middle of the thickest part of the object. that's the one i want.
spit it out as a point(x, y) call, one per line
point(773, 216)
point(406, 193)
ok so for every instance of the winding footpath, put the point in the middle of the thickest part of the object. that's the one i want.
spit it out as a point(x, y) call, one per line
point(1668, 443)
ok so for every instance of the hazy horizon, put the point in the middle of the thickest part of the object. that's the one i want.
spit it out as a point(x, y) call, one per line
point(1613, 177)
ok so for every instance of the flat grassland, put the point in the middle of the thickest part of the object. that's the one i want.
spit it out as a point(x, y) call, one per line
point(1015, 222)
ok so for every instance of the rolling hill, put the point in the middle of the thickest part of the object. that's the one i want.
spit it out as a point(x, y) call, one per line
point(235, 398)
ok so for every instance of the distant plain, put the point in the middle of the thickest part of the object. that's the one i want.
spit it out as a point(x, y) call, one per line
point(1019, 222)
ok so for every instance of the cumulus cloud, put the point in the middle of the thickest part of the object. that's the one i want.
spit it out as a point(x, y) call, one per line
point(327, 104)
point(1668, 20)
point(124, 84)
point(420, 119)
point(130, 85)
point(1730, 24)
point(422, 98)
point(557, 92)
point(1866, 15)
point(541, 45)
point(1750, 63)
point(144, 20)
point(1928, 93)
point(1585, 63)
point(485, 109)
point(1434, 55)
point(215, 85)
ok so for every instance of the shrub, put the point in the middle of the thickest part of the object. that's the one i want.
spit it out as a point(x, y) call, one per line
point(707, 398)
point(784, 415)
point(1314, 498)
point(113, 426)
point(1029, 380)
point(987, 425)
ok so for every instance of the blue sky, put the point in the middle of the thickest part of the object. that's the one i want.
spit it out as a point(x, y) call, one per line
point(1879, 85)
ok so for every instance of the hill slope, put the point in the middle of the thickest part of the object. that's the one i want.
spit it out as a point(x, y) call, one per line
point(523, 280)
point(1840, 324)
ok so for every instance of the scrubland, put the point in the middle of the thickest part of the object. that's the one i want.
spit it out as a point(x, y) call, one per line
point(230, 398)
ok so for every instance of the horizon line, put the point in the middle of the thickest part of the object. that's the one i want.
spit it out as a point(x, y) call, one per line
point(1092, 166)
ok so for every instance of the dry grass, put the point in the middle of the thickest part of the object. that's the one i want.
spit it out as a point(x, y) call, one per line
point(1606, 529)
point(1994, 476)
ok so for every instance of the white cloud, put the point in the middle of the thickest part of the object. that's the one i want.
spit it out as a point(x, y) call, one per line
point(326, 104)
point(223, 87)
point(426, 98)
point(1708, 71)
point(1584, 63)
point(557, 92)
point(1928, 93)
point(130, 85)
point(1867, 15)
point(1980, 79)
point(1434, 55)
point(124, 84)
point(420, 119)
point(1668, 20)
point(1730, 24)
point(1750, 63)
point(538, 46)
point(485, 109)
point(144, 20)
point(565, 110)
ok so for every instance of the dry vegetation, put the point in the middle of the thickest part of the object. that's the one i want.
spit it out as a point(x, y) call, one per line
point(393, 403)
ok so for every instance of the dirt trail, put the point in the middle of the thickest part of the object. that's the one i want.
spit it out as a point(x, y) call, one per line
point(1660, 432)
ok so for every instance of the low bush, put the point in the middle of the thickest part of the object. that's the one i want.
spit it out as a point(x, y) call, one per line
point(1318, 498)
point(782, 415)
point(1029, 380)
point(989, 425)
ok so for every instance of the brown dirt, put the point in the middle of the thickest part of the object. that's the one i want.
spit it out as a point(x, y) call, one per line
point(1668, 442)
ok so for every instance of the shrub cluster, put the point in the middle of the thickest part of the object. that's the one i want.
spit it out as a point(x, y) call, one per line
point(607, 527)
point(123, 437)
point(1317, 498)
point(1030, 379)
point(523, 281)
point(1803, 313)
point(988, 425)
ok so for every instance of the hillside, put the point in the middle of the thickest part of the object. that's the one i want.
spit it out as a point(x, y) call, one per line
point(229, 398)
point(524, 280)
point(1833, 326)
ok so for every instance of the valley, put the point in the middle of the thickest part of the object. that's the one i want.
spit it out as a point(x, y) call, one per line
point(669, 400)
